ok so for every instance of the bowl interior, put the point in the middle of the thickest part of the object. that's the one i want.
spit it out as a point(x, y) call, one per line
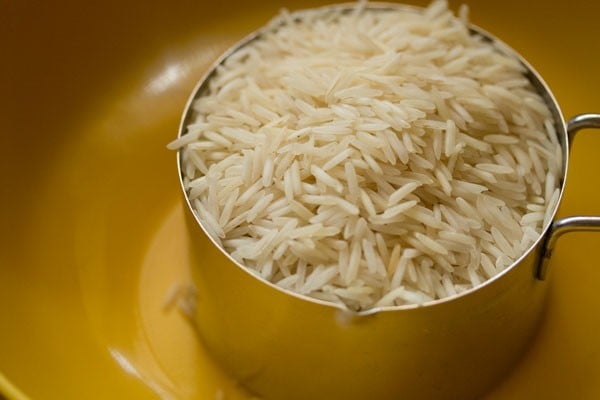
point(92, 227)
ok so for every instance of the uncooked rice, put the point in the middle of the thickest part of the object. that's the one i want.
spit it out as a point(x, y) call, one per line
point(372, 158)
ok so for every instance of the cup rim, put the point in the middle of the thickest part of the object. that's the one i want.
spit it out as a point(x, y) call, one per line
point(531, 74)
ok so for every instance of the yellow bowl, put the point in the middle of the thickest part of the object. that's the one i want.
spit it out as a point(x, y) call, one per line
point(91, 224)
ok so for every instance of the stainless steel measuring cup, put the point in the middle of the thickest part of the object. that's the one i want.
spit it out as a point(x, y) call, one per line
point(285, 346)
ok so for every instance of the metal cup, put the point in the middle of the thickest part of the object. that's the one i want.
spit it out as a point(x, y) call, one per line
point(282, 345)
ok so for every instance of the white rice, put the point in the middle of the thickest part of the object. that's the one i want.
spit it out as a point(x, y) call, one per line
point(372, 158)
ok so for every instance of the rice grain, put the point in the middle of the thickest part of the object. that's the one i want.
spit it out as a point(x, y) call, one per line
point(373, 158)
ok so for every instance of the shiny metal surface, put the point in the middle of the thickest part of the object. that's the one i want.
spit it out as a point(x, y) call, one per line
point(565, 225)
point(581, 121)
point(282, 345)
point(578, 223)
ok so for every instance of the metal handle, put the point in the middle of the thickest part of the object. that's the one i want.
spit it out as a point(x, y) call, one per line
point(579, 122)
point(569, 224)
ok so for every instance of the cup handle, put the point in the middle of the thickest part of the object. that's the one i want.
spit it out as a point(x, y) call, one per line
point(577, 223)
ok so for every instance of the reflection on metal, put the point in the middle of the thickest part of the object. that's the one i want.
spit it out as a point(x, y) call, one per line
point(559, 228)
point(569, 224)
point(582, 121)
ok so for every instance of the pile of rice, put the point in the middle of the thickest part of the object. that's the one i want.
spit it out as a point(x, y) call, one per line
point(372, 157)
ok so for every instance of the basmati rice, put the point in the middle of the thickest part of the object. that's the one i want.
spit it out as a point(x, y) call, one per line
point(376, 158)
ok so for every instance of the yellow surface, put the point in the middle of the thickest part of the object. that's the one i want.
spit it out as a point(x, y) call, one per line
point(91, 227)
